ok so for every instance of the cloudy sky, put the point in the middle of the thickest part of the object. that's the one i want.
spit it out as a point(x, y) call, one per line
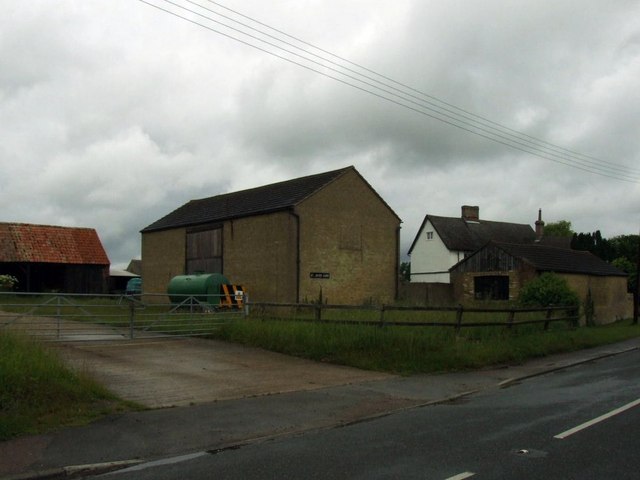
point(112, 114)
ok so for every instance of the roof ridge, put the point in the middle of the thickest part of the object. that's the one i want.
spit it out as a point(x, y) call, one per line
point(268, 198)
point(274, 184)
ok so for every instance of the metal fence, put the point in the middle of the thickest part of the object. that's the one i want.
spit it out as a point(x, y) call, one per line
point(67, 317)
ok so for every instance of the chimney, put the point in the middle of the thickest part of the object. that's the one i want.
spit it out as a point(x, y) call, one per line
point(470, 214)
point(539, 226)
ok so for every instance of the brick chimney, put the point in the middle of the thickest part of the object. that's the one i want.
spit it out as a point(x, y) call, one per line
point(470, 214)
point(539, 226)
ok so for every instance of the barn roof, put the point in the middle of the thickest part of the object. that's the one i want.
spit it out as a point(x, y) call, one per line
point(459, 234)
point(244, 203)
point(27, 243)
point(546, 258)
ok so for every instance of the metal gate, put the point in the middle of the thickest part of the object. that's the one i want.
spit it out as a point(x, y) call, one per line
point(68, 318)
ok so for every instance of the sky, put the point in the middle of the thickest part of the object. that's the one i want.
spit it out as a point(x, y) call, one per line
point(113, 114)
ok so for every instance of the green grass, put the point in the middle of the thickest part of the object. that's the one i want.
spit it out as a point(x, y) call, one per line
point(39, 393)
point(410, 350)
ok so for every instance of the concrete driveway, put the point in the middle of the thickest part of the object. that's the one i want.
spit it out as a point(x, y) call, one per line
point(177, 372)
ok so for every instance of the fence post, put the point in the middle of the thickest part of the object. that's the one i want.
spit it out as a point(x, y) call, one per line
point(512, 315)
point(546, 324)
point(245, 303)
point(318, 312)
point(131, 319)
point(576, 314)
point(459, 318)
point(58, 320)
point(382, 315)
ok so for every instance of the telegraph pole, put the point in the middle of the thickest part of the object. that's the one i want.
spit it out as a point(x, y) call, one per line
point(636, 292)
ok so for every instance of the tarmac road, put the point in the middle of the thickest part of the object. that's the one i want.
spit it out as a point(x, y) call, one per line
point(284, 396)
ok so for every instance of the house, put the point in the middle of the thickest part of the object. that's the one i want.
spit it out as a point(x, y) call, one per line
point(441, 242)
point(52, 258)
point(284, 242)
point(498, 271)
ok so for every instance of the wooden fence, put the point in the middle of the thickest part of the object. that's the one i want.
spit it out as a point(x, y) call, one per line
point(548, 315)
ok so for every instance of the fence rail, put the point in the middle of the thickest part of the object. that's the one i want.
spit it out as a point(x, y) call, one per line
point(64, 317)
point(384, 313)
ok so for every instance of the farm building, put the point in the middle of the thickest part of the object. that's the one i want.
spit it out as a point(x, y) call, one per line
point(498, 271)
point(284, 242)
point(51, 258)
point(441, 242)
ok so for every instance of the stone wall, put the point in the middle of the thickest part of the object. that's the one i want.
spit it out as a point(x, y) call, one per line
point(349, 245)
point(163, 257)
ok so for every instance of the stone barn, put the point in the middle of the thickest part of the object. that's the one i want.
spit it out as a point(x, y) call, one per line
point(284, 242)
point(46, 258)
point(498, 271)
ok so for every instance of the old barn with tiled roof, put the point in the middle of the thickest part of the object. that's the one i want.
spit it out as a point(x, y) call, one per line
point(497, 271)
point(284, 242)
point(53, 258)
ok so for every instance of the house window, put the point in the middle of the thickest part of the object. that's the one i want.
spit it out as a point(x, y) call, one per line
point(491, 287)
point(429, 235)
point(204, 251)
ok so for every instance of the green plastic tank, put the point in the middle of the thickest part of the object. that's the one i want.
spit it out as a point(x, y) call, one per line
point(205, 287)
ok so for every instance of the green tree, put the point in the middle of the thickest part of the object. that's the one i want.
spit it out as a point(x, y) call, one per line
point(561, 228)
point(625, 246)
point(405, 271)
point(548, 289)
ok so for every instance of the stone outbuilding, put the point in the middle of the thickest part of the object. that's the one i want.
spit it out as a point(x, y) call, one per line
point(48, 258)
point(498, 271)
point(284, 242)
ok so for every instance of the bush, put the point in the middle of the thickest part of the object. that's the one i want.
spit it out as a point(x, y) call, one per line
point(8, 282)
point(548, 289)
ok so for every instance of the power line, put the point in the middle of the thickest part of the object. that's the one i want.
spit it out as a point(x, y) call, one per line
point(403, 96)
point(409, 88)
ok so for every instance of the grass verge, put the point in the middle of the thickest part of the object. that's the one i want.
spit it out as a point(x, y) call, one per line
point(39, 393)
point(418, 350)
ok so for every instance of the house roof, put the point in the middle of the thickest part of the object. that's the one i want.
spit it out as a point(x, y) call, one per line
point(461, 235)
point(21, 242)
point(244, 203)
point(135, 267)
point(546, 258)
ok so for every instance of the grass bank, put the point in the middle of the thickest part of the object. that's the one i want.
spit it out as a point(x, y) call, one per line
point(39, 393)
point(418, 349)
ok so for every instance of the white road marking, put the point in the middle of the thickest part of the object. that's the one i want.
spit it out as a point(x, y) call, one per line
point(164, 461)
point(601, 418)
point(461, 476)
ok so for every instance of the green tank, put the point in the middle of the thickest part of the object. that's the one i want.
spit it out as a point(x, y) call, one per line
point(205, 287)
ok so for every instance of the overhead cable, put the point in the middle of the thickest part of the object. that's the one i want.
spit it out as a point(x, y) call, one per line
point(387, 89)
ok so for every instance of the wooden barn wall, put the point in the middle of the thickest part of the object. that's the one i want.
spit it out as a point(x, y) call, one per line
point(426, 294)
point(57, 277)
point(490, 259)
point(86, 279)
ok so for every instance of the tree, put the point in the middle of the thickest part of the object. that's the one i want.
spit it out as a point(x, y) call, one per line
point(548, 289)
point(405, 271)
point(561, 228)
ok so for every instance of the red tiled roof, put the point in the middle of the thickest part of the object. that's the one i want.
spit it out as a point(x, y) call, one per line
point(20, 242)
